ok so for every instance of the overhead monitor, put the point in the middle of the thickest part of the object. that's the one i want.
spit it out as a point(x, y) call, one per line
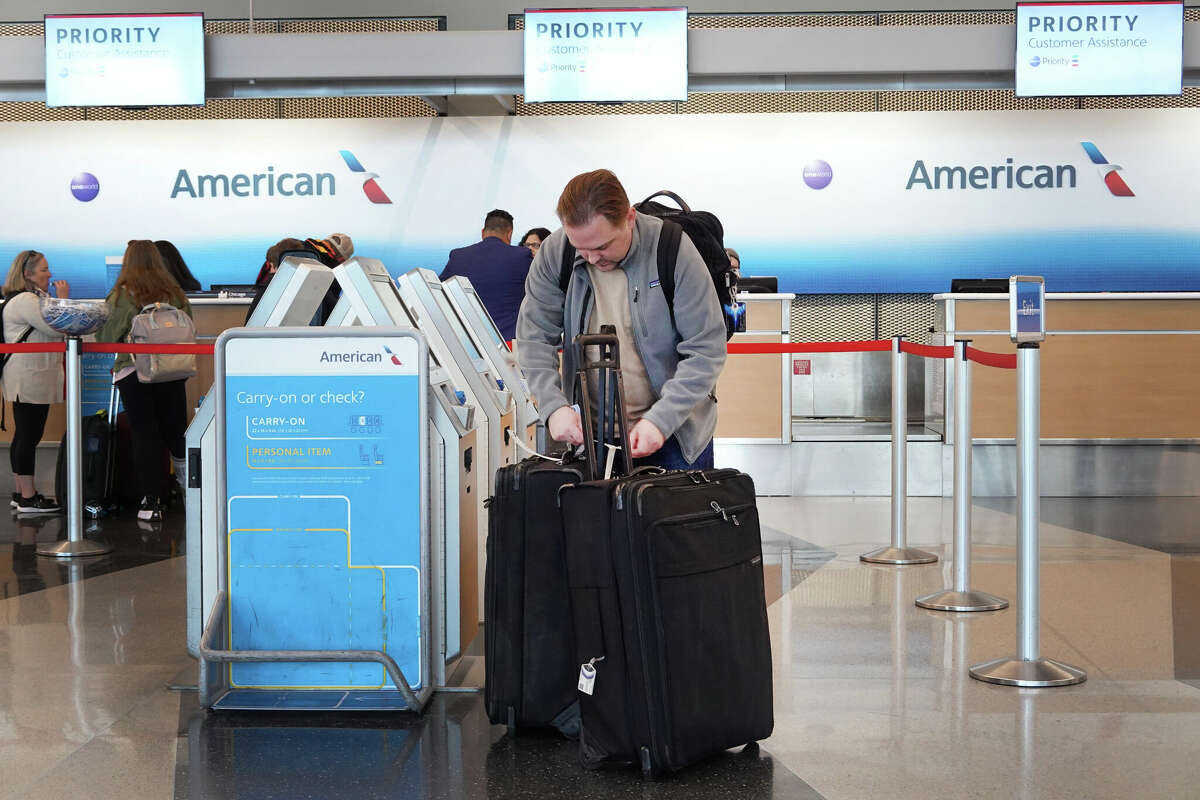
point(605, 54)
point(125, 59)
point(1099, 48)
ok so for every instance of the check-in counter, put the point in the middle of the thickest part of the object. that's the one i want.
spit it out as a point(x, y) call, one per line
point(754, 392)
point(212, 315)
point(1114, 365)
point(1119, 410)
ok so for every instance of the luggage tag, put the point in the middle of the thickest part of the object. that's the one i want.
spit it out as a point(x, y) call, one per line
point(587, 676)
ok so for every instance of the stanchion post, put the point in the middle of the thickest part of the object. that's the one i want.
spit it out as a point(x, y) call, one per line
point(1028, 669)
point(75, 545)
point(899, 552)
point(961, 597)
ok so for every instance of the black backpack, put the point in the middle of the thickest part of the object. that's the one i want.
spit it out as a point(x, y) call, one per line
point(705, 231)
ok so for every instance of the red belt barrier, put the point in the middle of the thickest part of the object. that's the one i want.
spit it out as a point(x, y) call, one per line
point(104, 347)
point(33, 347)
point(926, 350)
point(810, 347)
point(1001, 360)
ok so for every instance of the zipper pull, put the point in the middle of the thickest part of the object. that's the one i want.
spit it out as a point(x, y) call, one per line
point(635, 294)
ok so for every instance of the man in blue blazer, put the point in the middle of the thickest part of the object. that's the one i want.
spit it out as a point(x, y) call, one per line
point(496, 269)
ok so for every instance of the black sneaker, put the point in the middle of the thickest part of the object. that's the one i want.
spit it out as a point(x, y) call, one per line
point(16, 499)
point(37, 505)
point(150, 510)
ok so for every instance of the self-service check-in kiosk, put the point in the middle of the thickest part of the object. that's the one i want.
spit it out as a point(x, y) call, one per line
point(293, 297)
point(457, 456)
point(425, 298)
point(486, 336)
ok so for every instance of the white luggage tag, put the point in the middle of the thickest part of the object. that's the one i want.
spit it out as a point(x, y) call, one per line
point(587, 676)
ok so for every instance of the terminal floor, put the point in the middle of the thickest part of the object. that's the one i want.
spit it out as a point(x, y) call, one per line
point(872, 695)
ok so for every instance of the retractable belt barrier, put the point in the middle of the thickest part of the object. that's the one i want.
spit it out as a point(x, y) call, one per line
point(106, 347)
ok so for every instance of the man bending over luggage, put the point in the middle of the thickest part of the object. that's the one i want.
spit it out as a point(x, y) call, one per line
point(670, 355)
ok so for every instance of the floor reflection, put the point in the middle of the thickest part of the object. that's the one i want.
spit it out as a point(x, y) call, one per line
point(452, 751)
point(135, 543)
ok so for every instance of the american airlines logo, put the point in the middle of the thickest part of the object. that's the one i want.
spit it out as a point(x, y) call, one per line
point(1109, 173)
point(370, 187)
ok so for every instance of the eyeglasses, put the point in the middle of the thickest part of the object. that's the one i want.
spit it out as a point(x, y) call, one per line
point(533, 246)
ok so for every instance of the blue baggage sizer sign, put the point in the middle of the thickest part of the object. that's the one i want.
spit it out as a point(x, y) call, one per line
point(324, 454)
point(605, 54)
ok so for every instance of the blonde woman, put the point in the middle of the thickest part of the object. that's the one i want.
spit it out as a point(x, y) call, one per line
point(157, 411)
point(32, 381)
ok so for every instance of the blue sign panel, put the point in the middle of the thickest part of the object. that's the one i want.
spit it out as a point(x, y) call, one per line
point(323, 444)
point(1027, 300)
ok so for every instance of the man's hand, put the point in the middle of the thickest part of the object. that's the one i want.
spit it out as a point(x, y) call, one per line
point(564, 426)
point(644, 439)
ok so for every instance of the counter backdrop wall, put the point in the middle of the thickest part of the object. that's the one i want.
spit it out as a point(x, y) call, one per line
point(881, 202)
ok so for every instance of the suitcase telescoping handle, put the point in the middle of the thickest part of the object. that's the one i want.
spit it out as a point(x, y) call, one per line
point(606, 426)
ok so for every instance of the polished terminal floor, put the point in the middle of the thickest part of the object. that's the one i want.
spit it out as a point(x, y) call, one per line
point(872, 696)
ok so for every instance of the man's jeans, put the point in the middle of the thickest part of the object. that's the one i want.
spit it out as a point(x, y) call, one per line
point(669, 456)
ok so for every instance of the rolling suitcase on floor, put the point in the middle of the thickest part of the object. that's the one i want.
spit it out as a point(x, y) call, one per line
point(670, 623)
point(97, 449)
point(530, 660)
point(530, 654)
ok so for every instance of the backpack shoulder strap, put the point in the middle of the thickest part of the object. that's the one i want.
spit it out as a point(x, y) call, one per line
point(668, 254)
point(568, 264)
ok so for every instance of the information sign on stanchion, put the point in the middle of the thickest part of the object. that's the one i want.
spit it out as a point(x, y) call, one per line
point(899, 552)
point(322, 468)
point(1027, 327)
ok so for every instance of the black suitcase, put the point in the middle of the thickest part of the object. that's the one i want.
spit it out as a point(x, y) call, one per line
point(529, 650)
point(669, 608)
point(529, 656)
point(97, 450)
point(667, 596)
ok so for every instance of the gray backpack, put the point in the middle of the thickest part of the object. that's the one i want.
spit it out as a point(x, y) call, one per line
point(163, 323)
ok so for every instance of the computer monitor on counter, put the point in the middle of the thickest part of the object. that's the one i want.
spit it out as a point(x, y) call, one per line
point(757, 284)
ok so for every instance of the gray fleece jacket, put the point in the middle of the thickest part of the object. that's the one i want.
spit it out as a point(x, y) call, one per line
point(682, 360)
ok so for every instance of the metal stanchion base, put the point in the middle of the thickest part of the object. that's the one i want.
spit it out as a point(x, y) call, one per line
point(898, 555)
point(950, 600)
point(1043, 672)
point(84, 547)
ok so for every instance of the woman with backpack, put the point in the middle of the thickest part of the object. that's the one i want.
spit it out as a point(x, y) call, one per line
point(157, 411)
point(32, 381)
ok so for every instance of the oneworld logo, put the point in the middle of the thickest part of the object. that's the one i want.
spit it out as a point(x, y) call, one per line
point(85, 186)
point(1035, 61)
point(370, 188)
point(817, 174)
point(1108, 172)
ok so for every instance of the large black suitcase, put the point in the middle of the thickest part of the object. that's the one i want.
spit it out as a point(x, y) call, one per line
point(666, 582)
point(529, 650)
point(530, 660)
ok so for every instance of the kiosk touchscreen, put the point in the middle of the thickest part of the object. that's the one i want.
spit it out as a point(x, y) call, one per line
point(459, 430)
point(486, 336)
point(425, 297)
